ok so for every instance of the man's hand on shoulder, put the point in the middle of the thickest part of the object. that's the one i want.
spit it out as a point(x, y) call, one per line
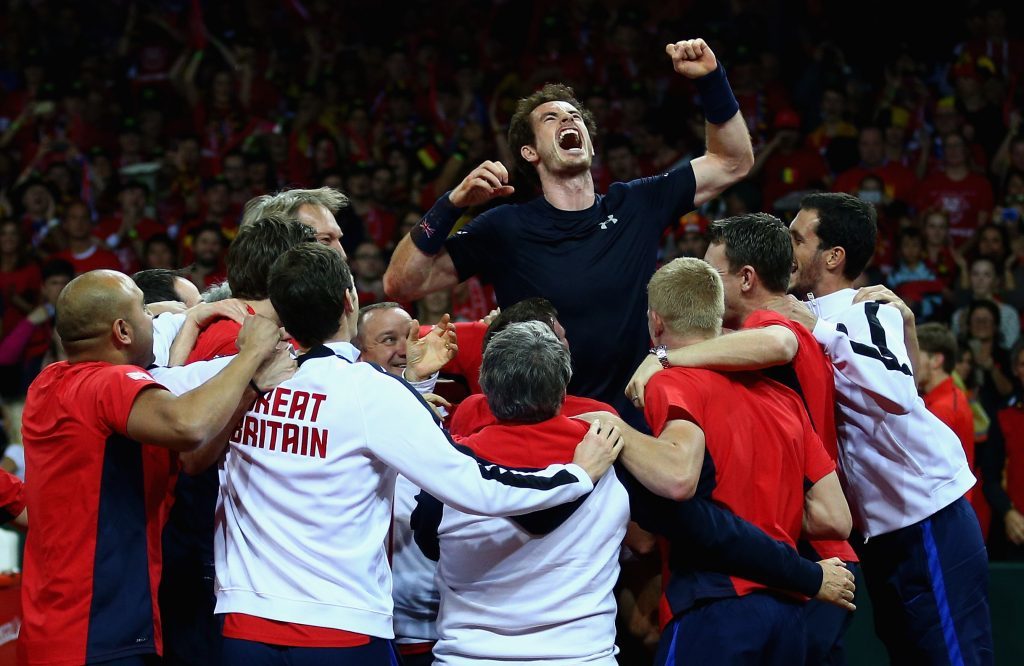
point(259, 336)
point(204, 314)
point(692, 58)
point(638, 382)
point(598, 450)
point(885, 295)
point(487, 181)
point(837, 584)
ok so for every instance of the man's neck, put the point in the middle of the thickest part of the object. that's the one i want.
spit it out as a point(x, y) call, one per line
point(676, 341)
point(754, 303)
point(956, 173)
point(80, 245)
point(569, 193)
point(937, 377)
point(344, 334)
point(829, 284)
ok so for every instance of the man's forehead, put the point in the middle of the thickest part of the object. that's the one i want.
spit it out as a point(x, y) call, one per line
point(381, 320)
point(805, 222)
point(547, 107)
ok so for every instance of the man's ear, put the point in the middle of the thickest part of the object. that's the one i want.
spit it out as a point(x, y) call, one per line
point(748, 278)
point(351, 299)
point(657, 323)
point(835, 258)
point(529, 154)
point(122, 331)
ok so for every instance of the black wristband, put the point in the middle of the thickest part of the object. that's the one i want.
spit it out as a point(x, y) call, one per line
point(716, 96)
point(432, 231)
point(260, 392)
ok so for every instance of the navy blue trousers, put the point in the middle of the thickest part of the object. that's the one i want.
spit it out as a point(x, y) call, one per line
point(929, 589)
point(759, 629)
point(238, 652)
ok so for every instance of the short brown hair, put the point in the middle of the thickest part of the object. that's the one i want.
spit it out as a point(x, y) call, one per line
point(935, 338)
point(688, 294)
point(520, 129)
point(255, 249)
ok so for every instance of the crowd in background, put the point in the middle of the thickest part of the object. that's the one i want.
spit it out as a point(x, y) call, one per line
point(131, 135)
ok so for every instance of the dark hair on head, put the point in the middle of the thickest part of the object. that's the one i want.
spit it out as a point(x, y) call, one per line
point(935, 338)
point(529, 309)
point(520, 129)
point(847, 222)
point(911, 232)
point(157, 284)
point(165, 240)
point(55, 267)
point(208, 228)
point(255, 249)
point(992, 309)
point(758, 240)
point(307, 285)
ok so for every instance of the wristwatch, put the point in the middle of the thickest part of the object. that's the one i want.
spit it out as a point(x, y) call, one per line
point(661, 353)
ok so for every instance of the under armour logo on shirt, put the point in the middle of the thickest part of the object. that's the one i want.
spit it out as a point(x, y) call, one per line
point(611, 220)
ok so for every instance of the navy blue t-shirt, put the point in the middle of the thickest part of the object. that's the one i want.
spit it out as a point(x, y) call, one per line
point(593, 265)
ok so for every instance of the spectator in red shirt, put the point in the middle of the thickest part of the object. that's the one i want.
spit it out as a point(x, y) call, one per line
point(936, 358)
point(939, 254)
point(207, 267)
point(19, 275)
point(368, 270)
point(43, 346)
point(1002, 464)
point(900, 182)
point(784, 164)
point(963, 194)
point(160, 252)
point(84, 250)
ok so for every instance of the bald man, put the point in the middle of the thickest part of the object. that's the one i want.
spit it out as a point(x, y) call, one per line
point(98, 494)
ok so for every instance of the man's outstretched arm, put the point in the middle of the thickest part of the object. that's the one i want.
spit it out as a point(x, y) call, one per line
point(729, 156)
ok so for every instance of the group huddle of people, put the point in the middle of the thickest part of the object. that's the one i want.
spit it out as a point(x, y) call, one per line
point(267, 473)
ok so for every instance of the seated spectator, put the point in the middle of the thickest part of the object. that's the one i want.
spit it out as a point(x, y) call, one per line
point(368, 270)
point(208, 249)
point(159, 252)
point(19, 275)
point(964, 194)
point(38, 210)
point(938, 248)
point(991, 358)
point(434, 305)
point(1002, 466)
point(44, 346)
point(937, 352)
point(912, 279)
point(900, 182)
point(984, 286)
point(785, 165)
point(128, 228)
point(84, 250)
